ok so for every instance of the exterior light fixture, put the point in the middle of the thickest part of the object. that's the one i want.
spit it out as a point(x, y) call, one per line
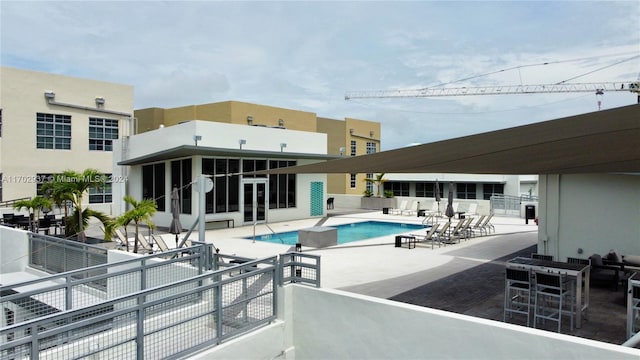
point(197, 138)
point(249, 120)
point(342, 149)
point(49, 95)
point(351, 131)
point(280, 122)
point(242, 142)
point(99, 101)
point(282, 146)
point(371, 133)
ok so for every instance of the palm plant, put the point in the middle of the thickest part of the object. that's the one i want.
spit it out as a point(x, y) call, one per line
point(73, 220)
point(33, 205)
point(141, 211)
point(71, 185)
point(378, 181)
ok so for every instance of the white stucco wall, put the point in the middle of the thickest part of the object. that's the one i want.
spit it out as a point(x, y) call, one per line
point(332, 324)
point(592, 212)
point(14, 250)
point(223, 136)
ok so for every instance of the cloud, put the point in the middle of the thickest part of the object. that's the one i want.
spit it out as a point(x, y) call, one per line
point(305, 55)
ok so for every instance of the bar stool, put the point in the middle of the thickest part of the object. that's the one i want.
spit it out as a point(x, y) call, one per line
point(517, 293)
point(552, 292)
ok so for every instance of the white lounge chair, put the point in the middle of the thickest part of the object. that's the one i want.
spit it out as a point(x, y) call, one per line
point(411, 209)
point(398, 211)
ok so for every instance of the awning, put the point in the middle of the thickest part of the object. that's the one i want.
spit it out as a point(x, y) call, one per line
point(600, 142)
point(191, 150)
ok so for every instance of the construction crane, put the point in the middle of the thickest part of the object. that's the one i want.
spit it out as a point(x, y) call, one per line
point(597, 88)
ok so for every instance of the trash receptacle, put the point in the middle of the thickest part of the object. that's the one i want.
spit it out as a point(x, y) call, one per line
point(529, 213)
point(385, 210)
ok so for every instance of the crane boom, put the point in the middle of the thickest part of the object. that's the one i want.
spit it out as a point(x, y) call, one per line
point(597, 88)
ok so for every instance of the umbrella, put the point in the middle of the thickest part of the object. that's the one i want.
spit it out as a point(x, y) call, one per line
point(437, 191)
point(449, 212)
point(175, 227)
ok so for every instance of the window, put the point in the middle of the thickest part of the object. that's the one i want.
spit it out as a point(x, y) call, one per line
point(282, 187)
point(102, 194)
point(371, 147)
point(153, 184)
point(53, 131)
point(427, 190)
point(226, 189)
point(352, 182)
point(490, 189)
point(102, 132)
point(181, 178)
point(353, 148)
point(398, 188)
point(369, 186)
point(466, 191)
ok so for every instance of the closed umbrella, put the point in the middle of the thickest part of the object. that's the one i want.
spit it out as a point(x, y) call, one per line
point(175, 227)
point(437, 191)
point(449, 212)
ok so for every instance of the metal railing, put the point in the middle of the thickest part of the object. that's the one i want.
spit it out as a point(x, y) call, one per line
point(297, 267)
point(167, 321)
point(139, 315)
point(93, 285)
point(508, 205)
point(56, 255)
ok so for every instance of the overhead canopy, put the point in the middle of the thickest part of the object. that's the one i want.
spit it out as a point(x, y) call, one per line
point(191, 150)
point(600, 142)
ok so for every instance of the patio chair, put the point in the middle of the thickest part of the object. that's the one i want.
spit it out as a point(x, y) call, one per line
point(553, 292)
point(441, 234)
point(478, 224)
point(398, 210)
point(487, 226)
point(472, 210)
point(411, 209)
point(455, 235)
point(144, 244)
point(430, 234)
point(517, 293)
point(120, 239)
point(160, 242)
point(330, 203)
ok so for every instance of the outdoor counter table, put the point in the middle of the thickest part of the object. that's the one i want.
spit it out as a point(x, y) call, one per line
point(578, 272)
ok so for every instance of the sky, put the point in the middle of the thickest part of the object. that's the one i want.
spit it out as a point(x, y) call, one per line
point(306, 55)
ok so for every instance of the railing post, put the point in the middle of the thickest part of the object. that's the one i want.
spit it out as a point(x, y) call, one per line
point(140, 329)
point(218, 301)
point(35, 345)
point(68, 293)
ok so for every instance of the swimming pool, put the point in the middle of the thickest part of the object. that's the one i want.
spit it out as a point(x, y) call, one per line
point(347, 232)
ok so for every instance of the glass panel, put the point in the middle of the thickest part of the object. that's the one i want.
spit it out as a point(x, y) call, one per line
point(248, 203)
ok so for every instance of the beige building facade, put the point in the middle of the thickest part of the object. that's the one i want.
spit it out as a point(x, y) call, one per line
point(51, 123)
point(348, 137)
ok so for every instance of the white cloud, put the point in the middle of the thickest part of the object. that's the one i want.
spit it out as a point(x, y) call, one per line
point(305, 55)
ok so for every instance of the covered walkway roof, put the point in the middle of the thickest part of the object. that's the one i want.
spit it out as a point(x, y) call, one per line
point(606, 141)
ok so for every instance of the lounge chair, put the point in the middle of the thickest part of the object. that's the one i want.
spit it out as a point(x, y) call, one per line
point(467, 229)
point(478, 224)
point(411, 209)
point(160, 242)
point(487, 226)
point(399, 209)
point(441, 234)
point(434, 209)
point(455, 234)
point(143, 244)
point(430, 236)
point(472, 210)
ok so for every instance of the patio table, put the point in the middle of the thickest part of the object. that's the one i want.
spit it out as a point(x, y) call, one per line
point(577, 272)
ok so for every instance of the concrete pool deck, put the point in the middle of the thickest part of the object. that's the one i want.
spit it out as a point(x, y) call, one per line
point(373, 261)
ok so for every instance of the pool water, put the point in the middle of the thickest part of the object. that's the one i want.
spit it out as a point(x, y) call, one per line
point(348, 232)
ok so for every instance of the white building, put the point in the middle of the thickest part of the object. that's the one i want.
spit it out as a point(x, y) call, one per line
point(155, 161)
point(50, 123)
